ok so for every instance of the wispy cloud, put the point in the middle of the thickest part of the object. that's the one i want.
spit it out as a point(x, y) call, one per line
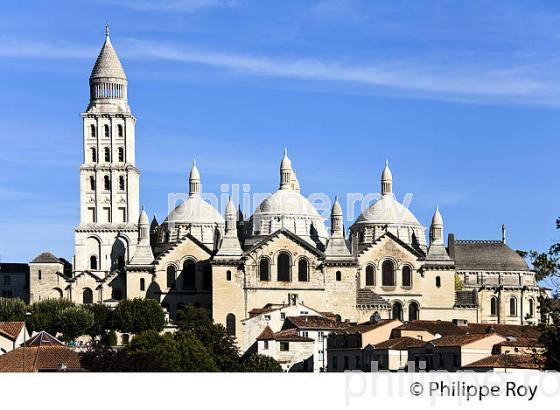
point(529, 83)
point(172, 5)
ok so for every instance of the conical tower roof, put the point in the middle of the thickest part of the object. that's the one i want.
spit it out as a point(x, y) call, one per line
point(108, 64)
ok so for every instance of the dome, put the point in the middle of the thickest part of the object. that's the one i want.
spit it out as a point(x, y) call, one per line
point(108, 64)
point(194, 210)
point(290, 210)
point(143, 220)
point(388, 211)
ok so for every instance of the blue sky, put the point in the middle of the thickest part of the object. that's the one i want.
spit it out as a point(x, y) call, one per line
point(463, 98)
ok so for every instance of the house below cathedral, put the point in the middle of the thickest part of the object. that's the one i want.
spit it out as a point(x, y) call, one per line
point(282, 254)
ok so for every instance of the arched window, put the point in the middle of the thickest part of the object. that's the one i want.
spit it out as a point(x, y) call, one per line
point(438, 282)
point(264, 270)
point(370, 276)
point(120, 132)
point(93, 262)
point(92, 131)
point(87, 296)
point(230, 324)
point(92, 183)
point(406, 276)
point(228, 275)
point(171, 271)
point(284, 271)
point(413, 311)
point(142, 284)
point(531, 307)
point(121, 183)
point(387, 274)
point(303, 270)
point(107, 153)
point(189, 274)
point(121, 154)
point(512, 307)
point(338, 318)
point(106, 130)
point(207, 277)
point(107, 183)
point(338, 276)
point(493, 306)
point(397, 310)
point(93, 155)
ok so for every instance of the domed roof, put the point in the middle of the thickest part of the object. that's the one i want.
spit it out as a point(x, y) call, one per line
point(286, 162)
point(194, 210)
point(387, 210)
point(287, 203)
point(336, 208)
point(143, 220)
point(108, 63)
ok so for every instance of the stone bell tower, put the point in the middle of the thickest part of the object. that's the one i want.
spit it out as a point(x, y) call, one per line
point(109, 180)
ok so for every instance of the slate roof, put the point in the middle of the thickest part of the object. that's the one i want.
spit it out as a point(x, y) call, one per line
point(400, 343)
point(508, 361)
point(367, 297)
point(11, 329)
point(46, 257)
point(466, 298)
point(485, 256)
point(43, 339)
point(42, 358)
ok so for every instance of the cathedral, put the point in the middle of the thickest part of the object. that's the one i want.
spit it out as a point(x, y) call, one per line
point(384, 266)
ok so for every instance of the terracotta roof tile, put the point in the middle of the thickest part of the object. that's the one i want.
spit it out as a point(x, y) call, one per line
point(522, 342)
point(364, 327)
point(11, 329)
point(434, 327)
point(266, 334)
point(314, 322)
point(457, 340)
point(511, 361)
point(400, 343)
point(43, 358)
point(505, 330)
point(291, 335)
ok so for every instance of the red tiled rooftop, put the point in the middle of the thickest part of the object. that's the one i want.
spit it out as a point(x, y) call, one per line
point(11, 329)
point(508, 361)
point(43, 358)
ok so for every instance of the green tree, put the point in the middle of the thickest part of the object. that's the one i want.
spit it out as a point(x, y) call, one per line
point(257, 363)
point(546, 266)
point(46, 315)
point(75, 321)
point(221, 345)
point(138, 315)
point(12, 310)
point(181, 352)
point(102, 359)
point(102, 321)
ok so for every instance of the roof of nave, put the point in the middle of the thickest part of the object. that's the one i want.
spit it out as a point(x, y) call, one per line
point(485, 255)
point(414, 250)
point(505, 330)
point(457, 340)
point(313, 322)
point(364, 327)
point(367, 297)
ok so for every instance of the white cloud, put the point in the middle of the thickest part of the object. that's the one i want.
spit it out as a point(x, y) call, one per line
point(528, 83)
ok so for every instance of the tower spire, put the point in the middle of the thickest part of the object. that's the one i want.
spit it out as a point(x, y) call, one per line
point(337, 227)
point(386, 180)
point(286, 172)
point(436, 228)
point(195, 186)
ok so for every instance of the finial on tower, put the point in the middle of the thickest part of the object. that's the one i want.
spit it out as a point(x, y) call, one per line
point(286, 172)
point(504, 233)
point(107, 30)
point(194, 180)
point(386, 180)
